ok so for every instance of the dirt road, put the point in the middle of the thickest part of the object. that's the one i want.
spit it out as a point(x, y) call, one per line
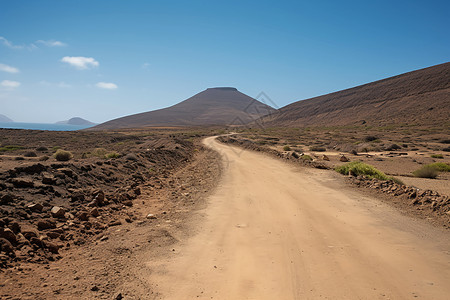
point(272, 231)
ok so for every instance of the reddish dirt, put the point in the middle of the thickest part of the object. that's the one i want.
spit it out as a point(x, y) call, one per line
point(108, 265)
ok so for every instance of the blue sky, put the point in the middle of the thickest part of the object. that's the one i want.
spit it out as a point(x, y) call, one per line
point(104, 59)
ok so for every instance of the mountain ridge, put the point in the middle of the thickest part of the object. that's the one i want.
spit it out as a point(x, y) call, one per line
point(213, 106)
point(420, 97)
point(76, 121)
point(5, 119)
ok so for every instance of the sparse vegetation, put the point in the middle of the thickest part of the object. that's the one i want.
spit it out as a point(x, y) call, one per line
point(317, 149)
point(307, 157)
point(359, 168)
point(99, 152)
point(441, 167)
point(10, 148)
point(112, 155)
point(62, 155)
point(426, 171)
point(287, 148)
point(437, 156)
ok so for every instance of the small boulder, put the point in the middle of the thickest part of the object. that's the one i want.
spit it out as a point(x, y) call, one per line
point(98, 200)
point(343, 158)
point(6, 246)
point(38, 242)
point(45, 224)
point(53, 235)
point(52, 247)
point(58, 212)
point(15, 227)
point(8, 234)
point(77, 197)
point(6, 199)
point(28, 233)
point(115, 223)
point(22, 182)
point(325, 158)
point(48, 179)
point(66, 171)
point(94, 212)
point(128, 203)
point(151, 216)
point(37, 207)
point(83, 216)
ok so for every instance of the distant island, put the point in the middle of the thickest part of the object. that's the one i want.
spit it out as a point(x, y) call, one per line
point(5, 119)
point(76, 121)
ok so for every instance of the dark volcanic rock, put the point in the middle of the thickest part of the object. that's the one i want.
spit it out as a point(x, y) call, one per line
point(22, 182)
point(45, 224)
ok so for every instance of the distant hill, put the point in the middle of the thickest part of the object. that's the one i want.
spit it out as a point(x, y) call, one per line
point(420, 97)
point(5, 119)
point(214, 106)
point(76, 121)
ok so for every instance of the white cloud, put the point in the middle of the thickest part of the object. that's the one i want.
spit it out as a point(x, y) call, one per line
point(61, 84)
point(52, 43)
point(10, 84)
point(9, 44)
point(106, 85)
point(32, 46)
point(9, 69)
point(80, 62)
point(145, 65)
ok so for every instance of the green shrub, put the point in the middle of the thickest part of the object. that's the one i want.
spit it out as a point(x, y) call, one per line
point(10, 148)
point(359, 168)
point(112, 155)
point(62, 155)
point(287, 148)
point(437, 156)
point(426, 171)
point(441, 167)
point(306, 157)
point(56, 148)
point(99, 152)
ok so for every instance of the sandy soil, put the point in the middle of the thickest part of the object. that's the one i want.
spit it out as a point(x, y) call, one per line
point(272, 231)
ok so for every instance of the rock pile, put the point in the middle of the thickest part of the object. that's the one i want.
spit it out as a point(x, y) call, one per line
point(425, 199)
point(48, 206)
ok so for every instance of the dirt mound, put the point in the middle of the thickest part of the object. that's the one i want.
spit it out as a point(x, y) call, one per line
point(214, 106)
point(415, 98)
point(46, 205)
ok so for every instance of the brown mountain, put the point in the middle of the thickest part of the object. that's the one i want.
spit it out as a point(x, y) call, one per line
point(420, 97)
point(214, 106)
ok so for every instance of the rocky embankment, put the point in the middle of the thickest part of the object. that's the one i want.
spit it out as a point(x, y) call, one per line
point(425, 203)
point(47, 206)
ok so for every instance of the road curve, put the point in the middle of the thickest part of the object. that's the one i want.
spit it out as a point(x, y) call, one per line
point(273, 231)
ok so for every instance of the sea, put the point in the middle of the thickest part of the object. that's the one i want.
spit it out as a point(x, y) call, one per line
point(43, 126)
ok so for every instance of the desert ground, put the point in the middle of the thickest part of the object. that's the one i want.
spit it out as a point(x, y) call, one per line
point(184, 216)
